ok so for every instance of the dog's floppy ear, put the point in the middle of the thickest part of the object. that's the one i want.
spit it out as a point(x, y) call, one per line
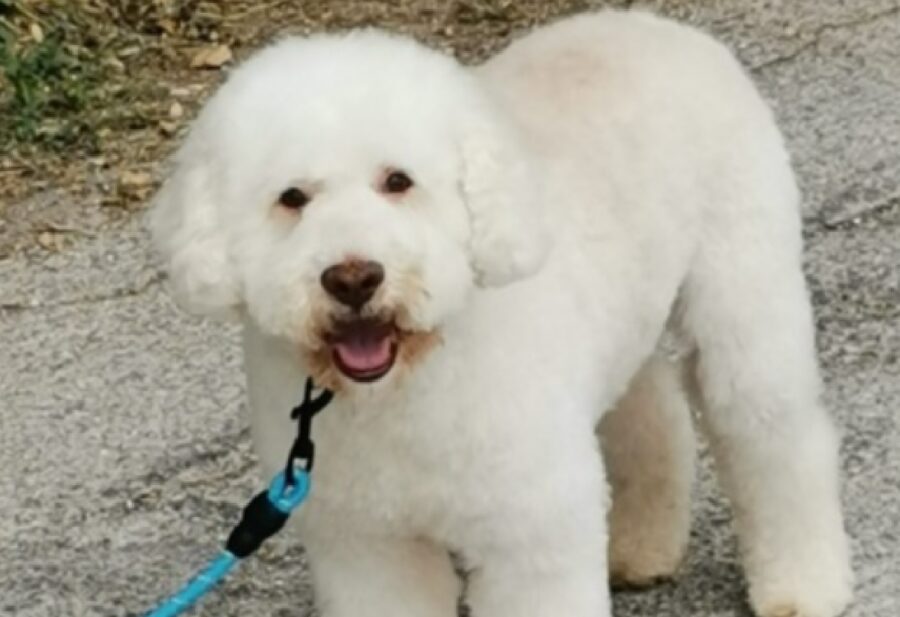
point(187, 232)
point(508, 238)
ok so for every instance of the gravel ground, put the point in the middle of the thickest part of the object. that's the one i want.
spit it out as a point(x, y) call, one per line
point(122, 431)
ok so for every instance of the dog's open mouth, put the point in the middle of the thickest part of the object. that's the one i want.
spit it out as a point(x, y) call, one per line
point(364, 349)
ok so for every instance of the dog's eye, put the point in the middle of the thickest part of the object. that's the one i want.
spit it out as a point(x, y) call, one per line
point(293, 198)
point(397, 182)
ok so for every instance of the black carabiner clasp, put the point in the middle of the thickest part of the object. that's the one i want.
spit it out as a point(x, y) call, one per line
point(303, 450)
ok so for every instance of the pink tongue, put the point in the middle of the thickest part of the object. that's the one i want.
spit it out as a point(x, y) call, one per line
point(364, 355)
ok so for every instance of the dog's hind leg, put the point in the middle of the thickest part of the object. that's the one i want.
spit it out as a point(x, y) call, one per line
point(757, 380)
point(649, 448)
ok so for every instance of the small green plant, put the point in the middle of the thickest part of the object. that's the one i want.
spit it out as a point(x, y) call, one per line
point(47, 88)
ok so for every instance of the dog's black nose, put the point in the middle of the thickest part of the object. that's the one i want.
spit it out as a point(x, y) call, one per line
point(353, 282)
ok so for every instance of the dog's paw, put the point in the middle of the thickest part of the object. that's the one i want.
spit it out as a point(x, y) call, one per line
point(823, 598)
point(619, 581)
point(644, 555)
point(641, 569)
point(829, 608)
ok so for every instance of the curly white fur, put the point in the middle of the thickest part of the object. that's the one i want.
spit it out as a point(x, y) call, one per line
point(601, 178)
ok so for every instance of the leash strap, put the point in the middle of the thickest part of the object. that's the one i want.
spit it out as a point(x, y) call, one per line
point(266, 513)
point(197, 587)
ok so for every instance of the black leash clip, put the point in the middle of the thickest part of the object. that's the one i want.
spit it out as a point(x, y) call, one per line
point(304, 450)
point(265, 515)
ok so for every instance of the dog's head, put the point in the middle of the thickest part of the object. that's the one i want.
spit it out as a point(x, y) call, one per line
point(348, 193)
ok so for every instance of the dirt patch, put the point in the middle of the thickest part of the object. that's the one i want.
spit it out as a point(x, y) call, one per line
point(94, 94)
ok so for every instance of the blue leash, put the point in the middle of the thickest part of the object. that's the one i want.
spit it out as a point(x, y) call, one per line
point(198, 587)
point(263, 517)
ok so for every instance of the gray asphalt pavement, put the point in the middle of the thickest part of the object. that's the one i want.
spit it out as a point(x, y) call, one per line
point(123, 445)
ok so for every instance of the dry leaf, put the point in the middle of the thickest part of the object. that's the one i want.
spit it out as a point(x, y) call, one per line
point(115, 64)
point(135, 185)
point(168, 128)
point(176, 110)
point(135, 179)
point(212, 57)
point(37, 34)
point(168, 25)
point(45, 239)
point(50, 241)
point(128, 52)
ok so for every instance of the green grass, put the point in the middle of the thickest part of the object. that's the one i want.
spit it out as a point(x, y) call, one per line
point(46, 87)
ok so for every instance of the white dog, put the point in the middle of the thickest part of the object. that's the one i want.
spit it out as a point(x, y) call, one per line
point(480, 263)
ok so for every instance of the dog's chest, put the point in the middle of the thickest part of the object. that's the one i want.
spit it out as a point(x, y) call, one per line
point(430, 475)
point(401, 478)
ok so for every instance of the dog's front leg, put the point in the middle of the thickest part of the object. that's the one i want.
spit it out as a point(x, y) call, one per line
point(373, 576)
point(546, 555)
